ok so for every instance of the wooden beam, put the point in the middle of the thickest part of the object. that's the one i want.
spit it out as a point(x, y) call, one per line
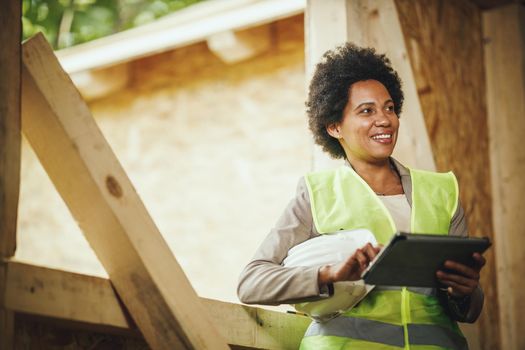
point(98, 83)
point(187, 26)
point(325, 28)
point(233, 47)
point(376, 23)
point(93, 302)
point(88, 176)
point(445, 47)
point(371, 23)
point(10, 37)
point(6, 314)
point(504, 33)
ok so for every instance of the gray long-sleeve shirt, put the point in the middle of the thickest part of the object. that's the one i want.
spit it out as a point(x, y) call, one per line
point(265, 281)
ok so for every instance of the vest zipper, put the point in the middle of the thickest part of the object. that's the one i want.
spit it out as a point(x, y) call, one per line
point(405, 315)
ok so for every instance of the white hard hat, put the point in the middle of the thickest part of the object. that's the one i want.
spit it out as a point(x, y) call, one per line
point(331, 249)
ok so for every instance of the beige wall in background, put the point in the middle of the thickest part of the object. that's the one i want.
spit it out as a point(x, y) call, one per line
point(214, 151)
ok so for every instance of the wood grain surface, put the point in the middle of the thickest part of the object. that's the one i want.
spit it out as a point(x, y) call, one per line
point(504, 32)
point(445, 46)
point(88, 176)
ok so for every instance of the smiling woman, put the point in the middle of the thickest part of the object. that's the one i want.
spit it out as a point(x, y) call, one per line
point(354, 103)
point(368, 131)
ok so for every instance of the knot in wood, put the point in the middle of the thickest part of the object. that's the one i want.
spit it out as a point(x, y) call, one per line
point(113, 186)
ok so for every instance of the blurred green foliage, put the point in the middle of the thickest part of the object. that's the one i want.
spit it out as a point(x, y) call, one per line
point(70, 22)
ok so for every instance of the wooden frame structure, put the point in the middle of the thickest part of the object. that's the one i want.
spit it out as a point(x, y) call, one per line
point(140, 293)
point(34, 290)
point(10, 138)
point(504, 30)
point(66, 139)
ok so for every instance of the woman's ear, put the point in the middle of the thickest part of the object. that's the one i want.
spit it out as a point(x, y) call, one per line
point(334, 130)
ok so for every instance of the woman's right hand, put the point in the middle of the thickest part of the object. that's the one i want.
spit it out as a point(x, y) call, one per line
point(349, 269)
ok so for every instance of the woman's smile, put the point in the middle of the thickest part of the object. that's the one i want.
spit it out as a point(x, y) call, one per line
point(384, 138)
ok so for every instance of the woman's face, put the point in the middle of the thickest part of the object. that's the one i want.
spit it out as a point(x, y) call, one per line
point(368, 130)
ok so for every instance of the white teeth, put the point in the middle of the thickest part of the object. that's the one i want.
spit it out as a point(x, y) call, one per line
point(382, 136)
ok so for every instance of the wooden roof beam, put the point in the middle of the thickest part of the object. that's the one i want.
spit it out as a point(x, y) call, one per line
point(232, 47)
point(92, 302)
point(193, 24)
point(97, 191)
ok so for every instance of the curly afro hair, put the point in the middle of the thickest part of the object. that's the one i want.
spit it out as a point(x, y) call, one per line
point(330, 87)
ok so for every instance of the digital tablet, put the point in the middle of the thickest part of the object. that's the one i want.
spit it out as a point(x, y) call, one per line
point(412, 259)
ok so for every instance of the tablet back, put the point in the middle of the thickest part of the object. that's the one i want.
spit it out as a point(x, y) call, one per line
point(412, 259)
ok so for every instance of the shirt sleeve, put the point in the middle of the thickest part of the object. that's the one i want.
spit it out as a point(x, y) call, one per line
point(264, 280)
point(458, 224)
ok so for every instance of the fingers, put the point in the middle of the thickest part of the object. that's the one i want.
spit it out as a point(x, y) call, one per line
point(457, 279)
point(371, 251)
point(463, 280)
point(479, 260)
point(362, 258)
point(464, 270)
point(458, 289)
point(354, 265)
point(366, 254)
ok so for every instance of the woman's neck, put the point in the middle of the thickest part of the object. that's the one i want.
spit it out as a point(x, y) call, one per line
point(380, 176)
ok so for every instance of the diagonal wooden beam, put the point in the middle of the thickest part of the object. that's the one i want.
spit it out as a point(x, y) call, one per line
point(92, 302)
point(88, 176)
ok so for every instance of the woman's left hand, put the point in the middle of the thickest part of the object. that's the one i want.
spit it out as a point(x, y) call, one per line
point(462, 280)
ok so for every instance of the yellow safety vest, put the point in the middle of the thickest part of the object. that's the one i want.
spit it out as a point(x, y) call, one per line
point(388, 318)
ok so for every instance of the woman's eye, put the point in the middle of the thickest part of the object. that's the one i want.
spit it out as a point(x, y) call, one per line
point(390, 108)
point(366, 110)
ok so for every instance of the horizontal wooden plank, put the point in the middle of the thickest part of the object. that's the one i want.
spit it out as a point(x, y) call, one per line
point(97, 191)
point(92, 301)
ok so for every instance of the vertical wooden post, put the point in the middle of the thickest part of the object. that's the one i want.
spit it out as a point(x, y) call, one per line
point(445, 47)
point(436, 47)
point(10, 22)
point(325, 28)
point(9, 123)
point(504, 32)
point(376, 24)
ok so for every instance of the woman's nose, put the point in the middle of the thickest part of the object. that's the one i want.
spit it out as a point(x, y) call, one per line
point(382, 120)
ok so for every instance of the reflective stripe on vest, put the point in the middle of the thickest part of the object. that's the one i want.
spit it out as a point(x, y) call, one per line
point(386, 333)
point(418, 290)
point(341, 200)
point(359, 328)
